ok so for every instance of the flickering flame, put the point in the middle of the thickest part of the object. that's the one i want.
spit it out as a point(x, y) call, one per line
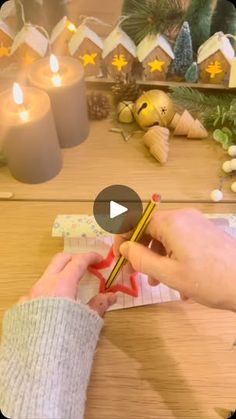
point(54, 65)
point(71, 27)
point(18, 94)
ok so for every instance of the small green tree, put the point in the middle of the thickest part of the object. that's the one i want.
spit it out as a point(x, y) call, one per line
point(183, 52)
point(224, 18)
point(192, 73)
point(199, 16)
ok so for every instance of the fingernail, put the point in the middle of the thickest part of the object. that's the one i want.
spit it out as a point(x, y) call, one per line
point(112, 298)
point(153, 282)
point(124, 248)
point(116, 252)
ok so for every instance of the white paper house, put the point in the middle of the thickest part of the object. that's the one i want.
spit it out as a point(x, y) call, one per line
point(29, 45)
point(119, 53)
point(155, 54)
point(214, 59)
point(87, 46)
point(6, 39)
point(61, 36)
point(8, 14)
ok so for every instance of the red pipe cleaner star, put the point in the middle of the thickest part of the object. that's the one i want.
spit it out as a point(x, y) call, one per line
point(133, 291)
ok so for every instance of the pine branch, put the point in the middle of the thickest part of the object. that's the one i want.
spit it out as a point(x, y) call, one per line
point(150, 17)
point(195, 101)
point(221, 116)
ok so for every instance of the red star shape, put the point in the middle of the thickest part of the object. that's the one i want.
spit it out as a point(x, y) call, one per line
point(133, 291)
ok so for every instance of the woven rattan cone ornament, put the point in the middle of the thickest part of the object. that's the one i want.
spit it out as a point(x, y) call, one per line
point(157, 140)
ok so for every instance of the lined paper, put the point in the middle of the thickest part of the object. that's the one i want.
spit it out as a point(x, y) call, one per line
point(89, 285)
point(81, 235)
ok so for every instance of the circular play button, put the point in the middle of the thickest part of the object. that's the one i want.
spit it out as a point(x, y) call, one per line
point(117, 209)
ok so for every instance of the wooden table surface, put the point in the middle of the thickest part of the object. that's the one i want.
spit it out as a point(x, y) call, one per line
point(172, 360)
point(105, 158)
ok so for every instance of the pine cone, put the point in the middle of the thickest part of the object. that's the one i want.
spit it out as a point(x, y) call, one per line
point(98, 106)
point(125, 90)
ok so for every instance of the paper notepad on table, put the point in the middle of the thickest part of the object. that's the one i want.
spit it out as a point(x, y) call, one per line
point(82, 234)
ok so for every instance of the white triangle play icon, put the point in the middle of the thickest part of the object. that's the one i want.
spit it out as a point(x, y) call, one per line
point(116, 210)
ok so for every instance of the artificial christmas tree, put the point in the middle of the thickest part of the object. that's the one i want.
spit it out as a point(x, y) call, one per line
point(183, 52)
point(192, 73)
point(199, 16)
point(224, 18)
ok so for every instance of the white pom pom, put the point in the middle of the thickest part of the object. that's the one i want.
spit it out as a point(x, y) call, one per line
point(233, 164)
point(227, 167)
point(233, 187)
point(217, 195)
point(232, 151)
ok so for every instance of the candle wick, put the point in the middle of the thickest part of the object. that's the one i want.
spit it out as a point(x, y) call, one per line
point(56, 79)
point(23, 112)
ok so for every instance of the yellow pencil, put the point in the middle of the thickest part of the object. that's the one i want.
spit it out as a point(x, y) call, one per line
point(137, 234)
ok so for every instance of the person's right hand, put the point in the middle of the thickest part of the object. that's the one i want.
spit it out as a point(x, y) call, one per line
point(189, 254)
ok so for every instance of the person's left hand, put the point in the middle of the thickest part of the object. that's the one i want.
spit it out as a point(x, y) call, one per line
point(61, 279)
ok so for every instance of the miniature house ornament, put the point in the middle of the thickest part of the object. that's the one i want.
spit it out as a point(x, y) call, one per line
point(155, 54)
point(6, 39)
point(87, 46)
point(61, 36)
point(8, 14)
point(214, 59)
point(29, 45)
point(119, 53)
point(232, 80)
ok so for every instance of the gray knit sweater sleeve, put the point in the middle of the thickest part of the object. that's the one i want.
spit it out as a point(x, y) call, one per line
point(46, 356)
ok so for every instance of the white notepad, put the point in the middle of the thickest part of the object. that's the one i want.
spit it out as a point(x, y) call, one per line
point(81, 235)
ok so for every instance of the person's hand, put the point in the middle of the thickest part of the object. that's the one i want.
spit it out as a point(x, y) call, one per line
point(188, 253)
point(61, 279)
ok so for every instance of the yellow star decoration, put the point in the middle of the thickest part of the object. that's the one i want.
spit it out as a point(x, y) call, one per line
point(156, 66)
point(4, 51)
point(119, 61)
point(89, 59)
point(214, 68)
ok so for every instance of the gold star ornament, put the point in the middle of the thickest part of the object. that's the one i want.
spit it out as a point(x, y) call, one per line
point(156, 66)
point(89, 59)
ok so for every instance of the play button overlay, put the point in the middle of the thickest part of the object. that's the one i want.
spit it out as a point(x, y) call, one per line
point(117, 209)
